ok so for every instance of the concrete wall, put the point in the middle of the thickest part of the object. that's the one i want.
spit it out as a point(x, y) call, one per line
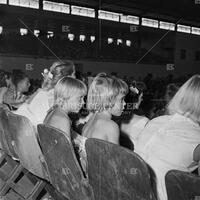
point(129, 69)
point(191, 43)
point(38, 64)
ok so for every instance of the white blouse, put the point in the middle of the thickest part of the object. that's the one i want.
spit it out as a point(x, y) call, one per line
point(36, 110)
point(134, 127)
point(166, 143)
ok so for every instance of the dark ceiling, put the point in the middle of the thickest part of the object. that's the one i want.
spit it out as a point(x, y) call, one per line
point(173, 10)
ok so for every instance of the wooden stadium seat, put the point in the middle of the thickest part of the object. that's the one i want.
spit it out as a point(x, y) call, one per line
point(117, 173)
point(182, 185)
point(9, 168)
point(22, 135)
point(21, 171)
point(6, 140)
point(62, 165)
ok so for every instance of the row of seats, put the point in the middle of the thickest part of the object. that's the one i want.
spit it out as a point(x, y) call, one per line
point(22, 175)
point(39, 163)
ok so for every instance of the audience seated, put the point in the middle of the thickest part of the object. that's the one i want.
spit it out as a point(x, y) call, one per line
point(40, 102)
point(168, 142)
point(105, 98)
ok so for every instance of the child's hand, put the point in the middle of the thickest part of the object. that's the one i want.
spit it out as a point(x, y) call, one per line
point(21, 99)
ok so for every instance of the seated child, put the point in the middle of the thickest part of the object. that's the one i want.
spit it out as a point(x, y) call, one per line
point(68, 97)
point(105, 98)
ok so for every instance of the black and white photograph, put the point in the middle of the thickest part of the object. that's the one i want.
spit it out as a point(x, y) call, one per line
point(99, 100)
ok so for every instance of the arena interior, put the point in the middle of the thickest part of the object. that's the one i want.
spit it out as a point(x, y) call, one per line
point(99, 100)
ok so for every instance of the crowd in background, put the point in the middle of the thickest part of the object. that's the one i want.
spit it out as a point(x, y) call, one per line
point(153, 87)
point(156, 117)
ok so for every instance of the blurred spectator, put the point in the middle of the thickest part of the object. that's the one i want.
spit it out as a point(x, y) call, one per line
point(18, 85)
point(137, 121)
point(171, 90)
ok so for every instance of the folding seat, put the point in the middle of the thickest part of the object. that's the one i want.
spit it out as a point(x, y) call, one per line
point(9, 168)
point(116, 173)
point(21, 138)
point(182, 185)
point(25, 144)
point(63, 168)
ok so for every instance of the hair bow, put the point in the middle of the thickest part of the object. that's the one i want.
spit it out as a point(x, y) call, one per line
point(134, 89)
point(47, 73)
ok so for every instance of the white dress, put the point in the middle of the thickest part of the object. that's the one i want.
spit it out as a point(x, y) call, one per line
point(166, 143)
point(36, 110)
point(134, 127)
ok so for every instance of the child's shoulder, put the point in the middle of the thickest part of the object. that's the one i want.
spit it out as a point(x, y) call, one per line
point(58, 115)
point(110, 131)
point(59, 120)
point(107, 124)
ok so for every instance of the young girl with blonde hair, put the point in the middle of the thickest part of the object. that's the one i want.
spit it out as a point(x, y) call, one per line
point(68, 97)
point(105, 98)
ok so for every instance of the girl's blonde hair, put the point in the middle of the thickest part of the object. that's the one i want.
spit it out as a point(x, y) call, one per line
point(103, 91)
point(67, 87)
point(187, 99)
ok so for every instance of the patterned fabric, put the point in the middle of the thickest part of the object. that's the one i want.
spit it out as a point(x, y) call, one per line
point(79, 145)
point(9, 96)
point(13, 98)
